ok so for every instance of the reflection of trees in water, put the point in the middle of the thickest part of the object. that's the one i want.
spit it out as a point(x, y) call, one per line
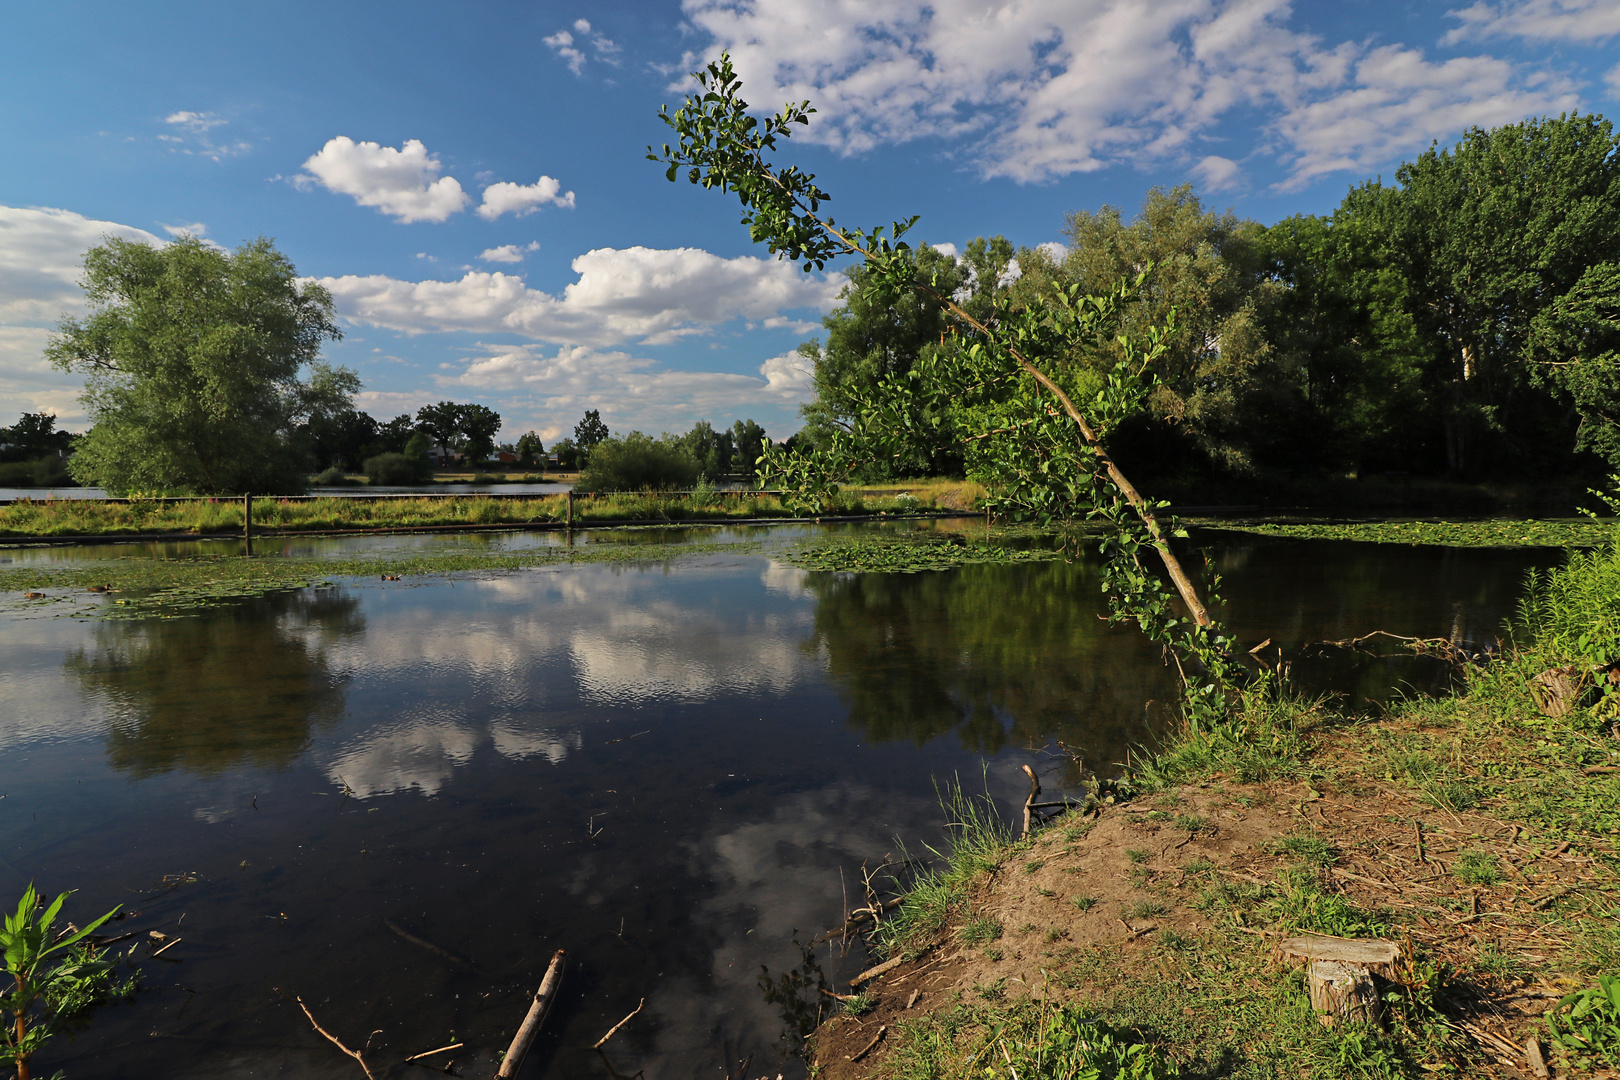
point(996, 654)
point(241, 685)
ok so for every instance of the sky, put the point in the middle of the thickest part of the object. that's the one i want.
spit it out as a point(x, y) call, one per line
point(470, 181)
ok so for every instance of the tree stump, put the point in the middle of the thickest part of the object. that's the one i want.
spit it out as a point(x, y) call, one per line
point(1558, 690)
point(1377, 955)
point(1341, 992)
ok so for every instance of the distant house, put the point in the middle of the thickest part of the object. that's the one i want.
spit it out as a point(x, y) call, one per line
point(506, 457)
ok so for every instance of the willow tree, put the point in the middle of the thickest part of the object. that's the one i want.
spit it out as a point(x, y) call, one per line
point(193, 360)
point(1031, 417)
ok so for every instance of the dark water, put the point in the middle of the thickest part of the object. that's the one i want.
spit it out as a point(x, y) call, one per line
point(667, 770)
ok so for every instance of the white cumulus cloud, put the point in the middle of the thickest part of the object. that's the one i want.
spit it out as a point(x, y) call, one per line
point(642, 294)
point(1398, 102)
point(522, 199)
point(1217, 173)
point(404, 184)
point(1037, 89)
point(508, 253)
point(570, 49)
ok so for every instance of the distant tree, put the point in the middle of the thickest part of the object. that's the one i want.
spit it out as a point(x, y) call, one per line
point(392, 436)
point(750, 441)
point(530, 449)
point(476, 426)
point(442, 423)
point(192, 358)
point(567, 454)
point(33, 436)
point(711, 449)
point(589, 433)
point(342, 439)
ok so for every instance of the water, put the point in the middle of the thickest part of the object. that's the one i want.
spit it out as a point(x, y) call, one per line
point(668, 770)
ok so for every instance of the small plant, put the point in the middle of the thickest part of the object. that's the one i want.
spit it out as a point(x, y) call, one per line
point(1159, 815)
point(1300, 904)
point(1084, 903)
point(1034, 865)
point(1048, 893)
point(978, 930)
point(1191, 822)
point(1136, 855)
point(1199, 866)
point(1477, 868)
point(1146, 909)
point(1056, 933)
point(1028, 928)
point(1585, 1026)
point(1502, 965)
point(1072, 833)
point(47, 996)
point(858, 1004)
point(1309, 849)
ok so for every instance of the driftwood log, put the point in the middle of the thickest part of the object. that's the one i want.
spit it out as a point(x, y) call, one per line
point(1558, 690)
point(543, 998)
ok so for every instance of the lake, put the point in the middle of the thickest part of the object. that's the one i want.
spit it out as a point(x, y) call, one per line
point(397, 799)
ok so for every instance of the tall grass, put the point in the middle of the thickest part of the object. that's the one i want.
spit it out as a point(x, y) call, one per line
point(97, 517)
point(1572, 613)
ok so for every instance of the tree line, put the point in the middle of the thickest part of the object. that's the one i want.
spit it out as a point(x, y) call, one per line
point(1460, 322)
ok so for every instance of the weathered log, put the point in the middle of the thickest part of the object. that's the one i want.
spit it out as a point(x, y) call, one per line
point(1378, 956)
point(873, 972)
point(1029, 803)
point(1341, 992)
point(543, 998)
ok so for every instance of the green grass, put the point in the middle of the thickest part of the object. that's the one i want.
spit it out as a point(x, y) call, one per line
point(1311, 849)
point(1477, 868)
point(223, 516)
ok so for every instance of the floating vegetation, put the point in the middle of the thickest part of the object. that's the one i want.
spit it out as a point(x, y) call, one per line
point(908, 555)
point(1494, 533)
point(148, 587)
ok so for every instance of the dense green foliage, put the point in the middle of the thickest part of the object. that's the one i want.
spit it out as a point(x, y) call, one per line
point(1463, 321)
point(639, 462)
point(192, 358)
point(32, 452)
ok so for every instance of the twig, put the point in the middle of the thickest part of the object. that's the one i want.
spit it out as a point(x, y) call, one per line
point(614, 1030)
point(1595, 770)
point(867, 1049)
point(430, 1053)
point(1417, 829)
point(333, 1039)
point(1029, 803)
point(159, 952)
point(423, 943)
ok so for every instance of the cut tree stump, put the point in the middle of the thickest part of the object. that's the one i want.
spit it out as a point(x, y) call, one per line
point(1377, 955)
point(1558, 690)
point(1341, 992)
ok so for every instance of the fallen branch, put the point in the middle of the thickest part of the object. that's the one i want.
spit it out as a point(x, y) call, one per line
point(856, 917)
point(536, 1016)
point(614, 1030)
point(423, 943)
point(333, 1039)
point(1029, 803)
point(881, 969)
point(867, 1049)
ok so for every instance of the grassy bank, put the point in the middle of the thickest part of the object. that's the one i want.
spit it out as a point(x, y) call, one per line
point(1136, 940)
point(202, 517)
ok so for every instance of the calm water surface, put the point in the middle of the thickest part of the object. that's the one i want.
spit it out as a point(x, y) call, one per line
point(669, 770)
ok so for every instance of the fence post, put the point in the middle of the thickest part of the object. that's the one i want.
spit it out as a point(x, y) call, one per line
point(247, 524)
point(570, 508)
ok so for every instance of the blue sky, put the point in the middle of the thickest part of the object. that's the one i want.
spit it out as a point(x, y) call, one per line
point(469, 180)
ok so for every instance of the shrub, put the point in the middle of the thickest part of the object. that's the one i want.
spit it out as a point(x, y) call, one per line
point(395, 469)
point(639, 462)
point(333, 477)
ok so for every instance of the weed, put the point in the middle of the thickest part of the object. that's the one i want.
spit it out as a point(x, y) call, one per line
point(993, 952)
point(1026, 1039)
point(1199, 867)
point(1191, 822)
point(1311, 849)
point(1146, 909)
point(858, 1004)
point(1159, 815)
point(1585, 1026)
point(1477, 868)
point(1492, 961)
point(1300, 904)
point(1056, 933)
point(1034, 865)
point(978, 930)
point(1176, 942)
point(1136, 855)
point(1046, 892)
point(1071, 833)
point(1084, 903)
point(1028, 928)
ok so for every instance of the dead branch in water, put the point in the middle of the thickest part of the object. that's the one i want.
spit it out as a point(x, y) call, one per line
point(423, 943)
point(614, 1030)
point(333, 1039)
point(430, 1053)
point(543, 998)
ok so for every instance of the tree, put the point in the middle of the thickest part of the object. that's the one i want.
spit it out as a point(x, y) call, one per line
point(639, 462)
point(441, 423)
point(342, 439)
point(33, 436)
point(191, 358)
point(1007, 392)
point(567, 454)
point(750, 442)
point(712, 450)
point(530, 449)
point(1491, 270)
point(589, 432)
point(477, 425)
